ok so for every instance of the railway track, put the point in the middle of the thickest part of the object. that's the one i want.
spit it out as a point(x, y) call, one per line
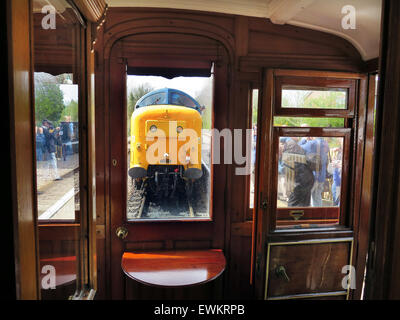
point(145, 202)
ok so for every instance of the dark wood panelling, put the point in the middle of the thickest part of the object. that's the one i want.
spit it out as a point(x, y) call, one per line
point(20, 86)
point(248, 42)
point(383, 277)
point(311, 268)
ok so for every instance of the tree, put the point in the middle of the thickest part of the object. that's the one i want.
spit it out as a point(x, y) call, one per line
point(312, 100)
point(134, 95)
point(49, 102)
point(204, 99)
point(70, 110)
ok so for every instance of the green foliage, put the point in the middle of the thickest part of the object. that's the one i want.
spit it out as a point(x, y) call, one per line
point(308, 122)
point(255, 107)
point(134, 95)
point(312, 100)
point(204, 99)
point(49, 102)
point(71, 110)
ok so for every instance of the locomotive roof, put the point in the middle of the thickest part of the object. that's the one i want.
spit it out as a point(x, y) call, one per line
point(168, 96)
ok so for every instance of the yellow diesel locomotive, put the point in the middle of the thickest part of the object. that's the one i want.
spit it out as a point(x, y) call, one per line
point(165, 138)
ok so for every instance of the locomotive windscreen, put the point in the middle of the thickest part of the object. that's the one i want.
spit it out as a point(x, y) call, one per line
point(170, 97)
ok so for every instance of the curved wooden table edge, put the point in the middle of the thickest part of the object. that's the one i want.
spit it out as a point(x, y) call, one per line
point(178, 285)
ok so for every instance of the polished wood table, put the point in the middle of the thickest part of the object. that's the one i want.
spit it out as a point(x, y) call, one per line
point(65, 269)
point(174, 268)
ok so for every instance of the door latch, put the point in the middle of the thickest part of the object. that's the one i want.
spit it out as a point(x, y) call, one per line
point(264, 204)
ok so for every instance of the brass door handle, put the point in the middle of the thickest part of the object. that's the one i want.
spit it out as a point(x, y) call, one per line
point(122, 232)
point(280, 272)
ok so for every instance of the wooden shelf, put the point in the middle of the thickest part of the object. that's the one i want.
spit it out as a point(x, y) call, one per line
point(174, 268)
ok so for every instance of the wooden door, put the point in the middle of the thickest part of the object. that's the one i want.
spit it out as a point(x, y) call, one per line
point(310, 173)
point(158, 234)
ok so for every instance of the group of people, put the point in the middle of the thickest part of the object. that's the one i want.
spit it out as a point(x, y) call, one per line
point(53, 143)
point(311, 166)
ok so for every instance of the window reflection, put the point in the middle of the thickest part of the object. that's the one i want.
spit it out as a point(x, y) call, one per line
point(57, 145)
point(56, 82)
point(309, 171)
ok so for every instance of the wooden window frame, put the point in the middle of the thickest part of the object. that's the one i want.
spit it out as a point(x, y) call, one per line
point(344, 133)
point(84, 222)
point(210, 218)
point(314, 81)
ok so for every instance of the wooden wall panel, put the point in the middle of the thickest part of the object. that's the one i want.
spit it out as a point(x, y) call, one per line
point(253, 44)
point(20, 82)
point(383, 277)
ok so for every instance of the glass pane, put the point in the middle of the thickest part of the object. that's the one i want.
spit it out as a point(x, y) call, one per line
point(253, 145)
point(308, 122)
point(57, 146)
point(309, 179)
point(55, 44)
point(313, 98)
point(169, 148)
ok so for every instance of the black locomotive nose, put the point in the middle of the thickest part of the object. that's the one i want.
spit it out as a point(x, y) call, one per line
point(193, 173)
point(137, 172)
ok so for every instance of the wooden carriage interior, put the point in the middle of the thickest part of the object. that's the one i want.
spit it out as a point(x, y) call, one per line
point(252, 244)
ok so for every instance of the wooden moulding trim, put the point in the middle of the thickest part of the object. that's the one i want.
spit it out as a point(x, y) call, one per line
point(93, 10)
point(315, 73)
point(150, 25)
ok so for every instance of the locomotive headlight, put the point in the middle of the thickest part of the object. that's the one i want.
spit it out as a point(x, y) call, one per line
point(179, 129)
point(153, 128)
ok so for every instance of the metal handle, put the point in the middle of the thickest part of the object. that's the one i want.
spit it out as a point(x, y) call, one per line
point(122, 232)
point(280, 271)
point(296, 214)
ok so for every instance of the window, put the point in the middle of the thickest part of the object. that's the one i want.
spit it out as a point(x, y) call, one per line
point(313, 98)
point(57, 146)
point(312, 150)
point(169, 149)
point(57, 112)
point(254, 114)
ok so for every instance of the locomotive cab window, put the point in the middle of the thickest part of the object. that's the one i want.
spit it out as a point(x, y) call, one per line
point(169, 147)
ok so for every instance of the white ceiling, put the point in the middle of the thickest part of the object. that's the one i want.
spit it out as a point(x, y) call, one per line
point(323, 15)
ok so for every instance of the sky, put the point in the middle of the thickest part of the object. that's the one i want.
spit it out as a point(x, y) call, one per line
point(70, 92)
point(190, 85)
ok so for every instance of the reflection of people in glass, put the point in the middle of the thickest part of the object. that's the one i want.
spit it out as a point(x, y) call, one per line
point(66, 136)
point(51, 144)
point(40, 144)
point(335, 168)
point(294, 159)
point(318, 148)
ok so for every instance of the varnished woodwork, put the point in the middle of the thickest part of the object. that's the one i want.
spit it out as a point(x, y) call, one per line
point(353, 158)
point(92, 10)
point(349, 85)
point(20, 82)
point(366, 191)
point(311, 268)
point(65, 269)
point(383, 279)
point(176, 268)
point(74, 55)
point(197, 232)
point(252, 44)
